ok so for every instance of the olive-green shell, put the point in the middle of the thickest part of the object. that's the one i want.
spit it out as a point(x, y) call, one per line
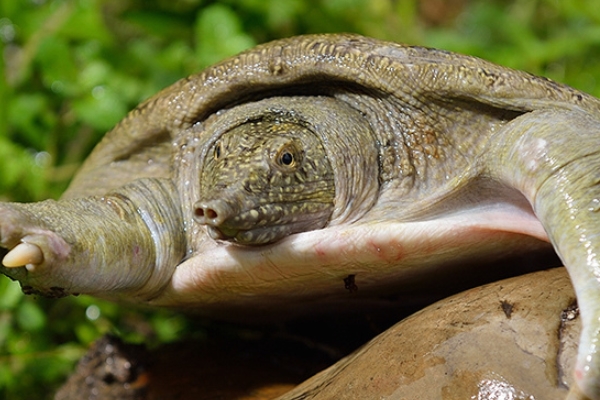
point(142, 144)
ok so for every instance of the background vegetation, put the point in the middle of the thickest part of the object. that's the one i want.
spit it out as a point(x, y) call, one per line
point(71, 69)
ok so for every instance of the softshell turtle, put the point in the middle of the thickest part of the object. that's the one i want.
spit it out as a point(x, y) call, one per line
point(284, 176)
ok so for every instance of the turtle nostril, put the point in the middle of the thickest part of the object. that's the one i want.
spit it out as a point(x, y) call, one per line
point(205, 213)
point(212, 212)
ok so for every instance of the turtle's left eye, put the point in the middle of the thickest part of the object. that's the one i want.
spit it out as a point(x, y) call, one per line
point(286, 158)
point(286, 154)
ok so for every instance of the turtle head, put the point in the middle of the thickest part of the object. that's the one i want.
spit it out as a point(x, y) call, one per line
point(264, 180)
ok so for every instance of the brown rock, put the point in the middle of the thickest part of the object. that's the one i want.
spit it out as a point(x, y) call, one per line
point(467, 347)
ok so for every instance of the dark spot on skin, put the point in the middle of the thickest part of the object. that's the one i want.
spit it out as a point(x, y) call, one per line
point(57, 293)
point(350, 284)
point(507, 308)
point(54, 292)
point(269, 175)
point(28, 290)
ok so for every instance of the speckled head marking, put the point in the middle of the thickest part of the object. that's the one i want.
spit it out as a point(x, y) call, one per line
point(279, 166)
point(264, 180)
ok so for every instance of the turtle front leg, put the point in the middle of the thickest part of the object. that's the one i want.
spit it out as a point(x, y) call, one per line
point(127, 242)
point(553, 157)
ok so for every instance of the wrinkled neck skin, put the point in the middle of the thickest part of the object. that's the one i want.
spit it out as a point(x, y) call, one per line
point(347, 137)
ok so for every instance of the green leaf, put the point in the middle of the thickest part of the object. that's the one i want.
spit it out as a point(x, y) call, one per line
point(30, 317)
point(86, 22)
point(101, 109)
point(55, 55)
point(19, 173)
point(11, 294)
point(28, 115)
point(219, 34)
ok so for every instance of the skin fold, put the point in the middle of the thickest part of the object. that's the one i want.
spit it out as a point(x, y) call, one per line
point(427, 160)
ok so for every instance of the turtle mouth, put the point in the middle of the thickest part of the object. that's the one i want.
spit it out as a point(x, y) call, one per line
point(221, 233)
point(262, 235)
point(256, 236)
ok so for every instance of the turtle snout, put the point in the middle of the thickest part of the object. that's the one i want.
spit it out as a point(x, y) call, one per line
point(212, 212)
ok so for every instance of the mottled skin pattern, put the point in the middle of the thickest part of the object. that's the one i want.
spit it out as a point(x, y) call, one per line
point(435, 159)
point(265, 180)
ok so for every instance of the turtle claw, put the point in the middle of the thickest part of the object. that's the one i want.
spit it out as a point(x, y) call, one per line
point(24, 255)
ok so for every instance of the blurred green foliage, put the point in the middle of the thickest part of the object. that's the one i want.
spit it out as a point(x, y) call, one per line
point(71, 69)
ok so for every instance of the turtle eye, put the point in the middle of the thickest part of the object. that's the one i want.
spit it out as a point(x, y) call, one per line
point(286, 158)
point(217, 150)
